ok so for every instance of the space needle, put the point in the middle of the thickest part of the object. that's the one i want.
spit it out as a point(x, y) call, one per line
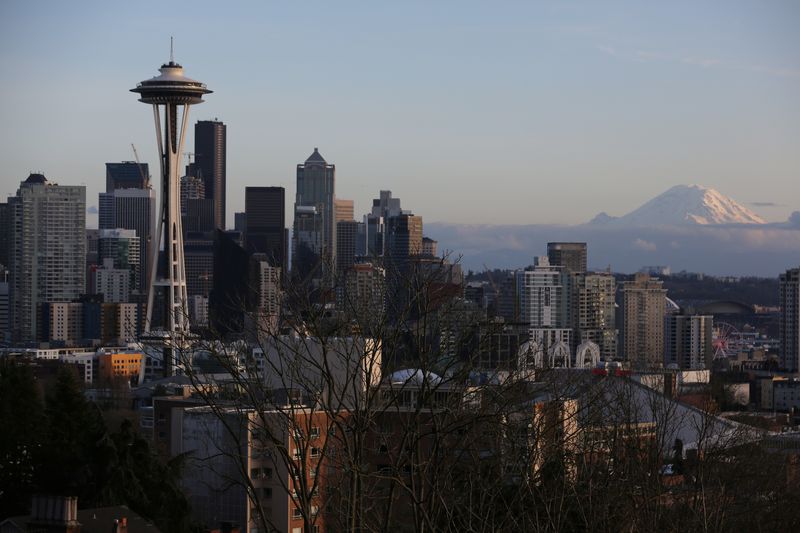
point(170, 93)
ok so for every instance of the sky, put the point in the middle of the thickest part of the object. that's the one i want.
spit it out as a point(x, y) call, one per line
point(470, 112)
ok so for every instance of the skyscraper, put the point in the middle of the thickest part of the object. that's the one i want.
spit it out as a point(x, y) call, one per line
point(789, 300)
point(343, 209)
point(5, 234)
point(541, 295)
point(314, 249)
point(570, 255)
point(210, 152)
point(642, 312)
point(346, 235)
point(592, 311)
point(127, 175)
point(122, 247)
point(404, 238)
point(48, 253)
point(265, 224)
point(133, 209)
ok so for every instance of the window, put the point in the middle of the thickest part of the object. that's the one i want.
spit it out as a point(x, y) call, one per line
point(297, 513)
point(298, 454)
point(314, 432)
point(266, 493)
point(315, 452)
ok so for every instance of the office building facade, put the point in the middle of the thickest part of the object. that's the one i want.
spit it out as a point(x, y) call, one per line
point(315, 255)
point(265, 224)
point(571, 256)
point(210, 152)
point(127, 175)
point(132, 209)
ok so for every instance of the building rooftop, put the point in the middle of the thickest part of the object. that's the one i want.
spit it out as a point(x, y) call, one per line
point(316, 157)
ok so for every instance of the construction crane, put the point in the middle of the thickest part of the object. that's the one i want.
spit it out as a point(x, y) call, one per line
point(145, 178)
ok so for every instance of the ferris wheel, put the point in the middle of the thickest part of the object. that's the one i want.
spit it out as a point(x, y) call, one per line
point(726, 340)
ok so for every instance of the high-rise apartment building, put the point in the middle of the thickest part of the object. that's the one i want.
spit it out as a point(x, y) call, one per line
point(687, 341)
point(364, 291)
point(48, 255)
point(315, 222)
point(642, 310)
point(5, 312)
point(789, 300)
point(429, 247)
point(5, 234)
point(132, 209)
point(113, 283)
point(569, 255)
point(265, 224)
point(592, 311)
point(127, 175)
point(210, 152)
point(541, 295)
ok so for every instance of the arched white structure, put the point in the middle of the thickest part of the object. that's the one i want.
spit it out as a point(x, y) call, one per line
point(587, 355)
point(530, 356)
point(559, 355)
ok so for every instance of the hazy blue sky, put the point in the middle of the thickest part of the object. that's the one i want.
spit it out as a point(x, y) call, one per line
point(485, 112)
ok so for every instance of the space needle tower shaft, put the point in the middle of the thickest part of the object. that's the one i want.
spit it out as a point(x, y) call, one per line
point(170, 93)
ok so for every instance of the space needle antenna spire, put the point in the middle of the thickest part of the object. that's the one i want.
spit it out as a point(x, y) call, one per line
point(171, 54)
point(170, 94)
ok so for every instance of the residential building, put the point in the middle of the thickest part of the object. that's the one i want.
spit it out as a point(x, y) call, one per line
point(642, 310)
point(540, 291)
point(113, 283)
point(48, 256)
point(429, 247)
point(364, 291)
point(592, 311)
point(789, 329)
point(5, 234)
point(687, 341)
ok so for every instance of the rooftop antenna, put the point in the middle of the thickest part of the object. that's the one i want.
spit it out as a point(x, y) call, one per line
point(171, 55)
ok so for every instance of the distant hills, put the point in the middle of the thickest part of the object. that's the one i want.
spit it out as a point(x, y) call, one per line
point(688, 227)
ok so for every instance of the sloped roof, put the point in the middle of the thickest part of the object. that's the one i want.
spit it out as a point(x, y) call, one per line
point(316, 157)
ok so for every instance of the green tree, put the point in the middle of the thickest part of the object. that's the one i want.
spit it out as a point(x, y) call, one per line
point(23, 422)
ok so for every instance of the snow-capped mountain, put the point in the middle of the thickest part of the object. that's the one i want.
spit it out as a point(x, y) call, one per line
point(685, 205)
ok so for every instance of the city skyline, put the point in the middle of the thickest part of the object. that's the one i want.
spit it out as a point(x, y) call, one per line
point(547, 98)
